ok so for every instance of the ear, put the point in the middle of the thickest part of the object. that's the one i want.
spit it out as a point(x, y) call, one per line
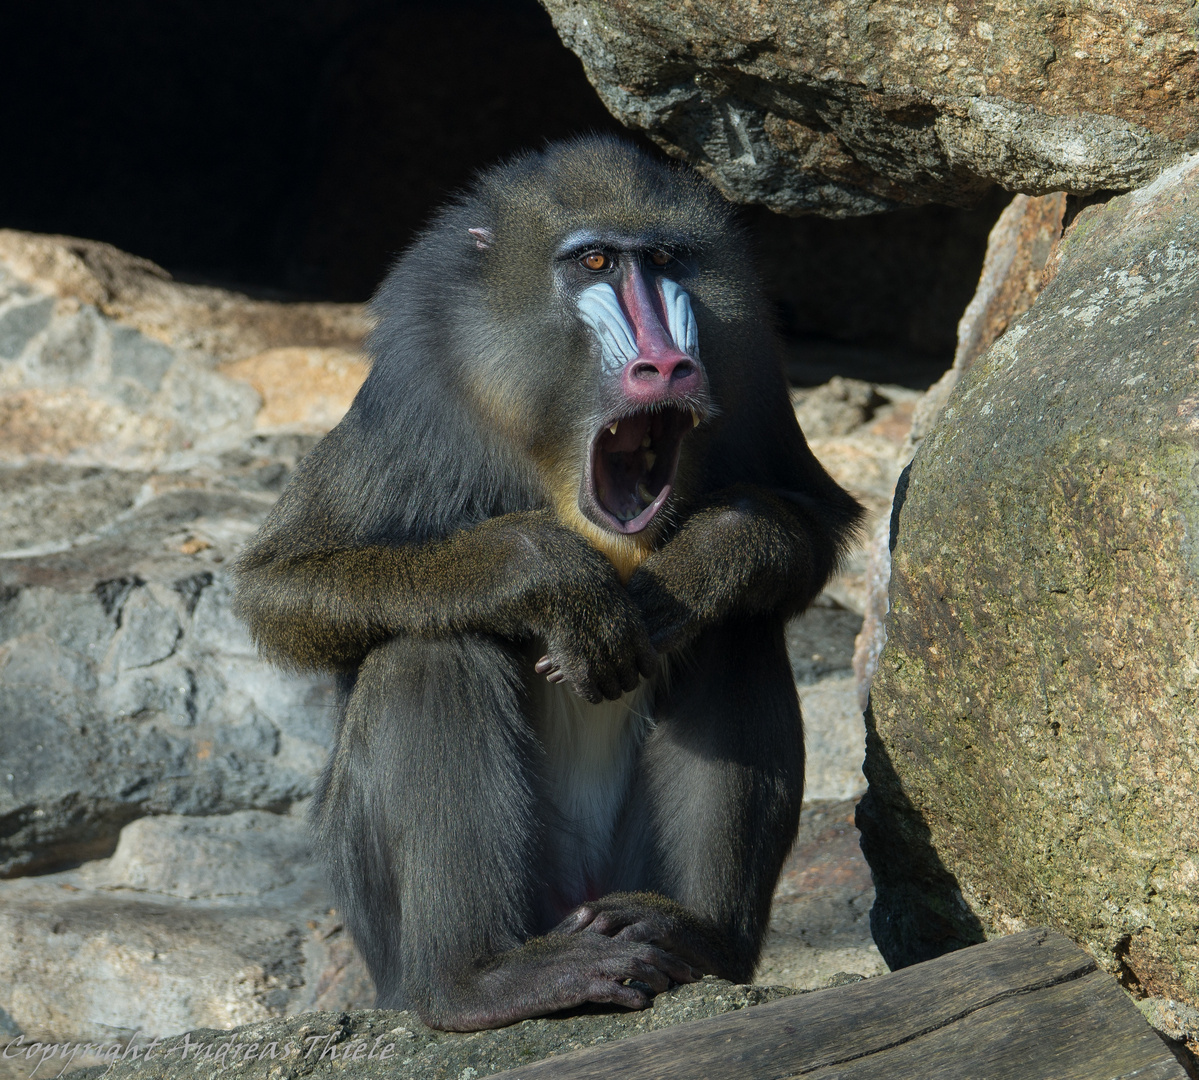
point(483, 238)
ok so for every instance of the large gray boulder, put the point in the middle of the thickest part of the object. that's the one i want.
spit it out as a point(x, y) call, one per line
point(851, 108)
point(145, 431)
point(146, 427)
point(1033, 743)
point(126, 688)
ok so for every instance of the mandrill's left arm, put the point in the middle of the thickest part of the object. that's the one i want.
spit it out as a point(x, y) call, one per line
point(748, 550)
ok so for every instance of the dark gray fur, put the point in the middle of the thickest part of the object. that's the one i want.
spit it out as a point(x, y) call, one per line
point(418, 552)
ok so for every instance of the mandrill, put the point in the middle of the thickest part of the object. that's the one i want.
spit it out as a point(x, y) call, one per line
point(550, 551)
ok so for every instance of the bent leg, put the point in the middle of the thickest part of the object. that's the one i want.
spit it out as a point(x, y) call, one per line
point(715, 807)
point(426, 814)
point(430, 819)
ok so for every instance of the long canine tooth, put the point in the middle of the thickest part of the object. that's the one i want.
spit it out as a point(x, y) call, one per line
point(694, 419)
point(650, 458)
point(613, 428)
point(645, 493)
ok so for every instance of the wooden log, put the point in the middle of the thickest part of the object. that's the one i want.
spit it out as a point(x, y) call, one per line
point(1032, 1006)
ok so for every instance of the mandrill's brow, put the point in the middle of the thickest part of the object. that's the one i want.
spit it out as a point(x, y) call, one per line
point(580, 243)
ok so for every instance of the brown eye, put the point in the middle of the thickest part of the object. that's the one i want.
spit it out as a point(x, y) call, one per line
point(596, 260)
point(659, 257)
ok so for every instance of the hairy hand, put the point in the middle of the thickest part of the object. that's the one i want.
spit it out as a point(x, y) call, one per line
point(595, 635)
point(654, 920)
point(597, 643)
point(746, 553)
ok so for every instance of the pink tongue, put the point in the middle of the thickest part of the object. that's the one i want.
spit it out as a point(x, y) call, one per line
point(628, 436)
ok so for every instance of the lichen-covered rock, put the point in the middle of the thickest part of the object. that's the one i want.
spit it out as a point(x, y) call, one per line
point(853, 107)
point(1014, 272)
point(1033, 750)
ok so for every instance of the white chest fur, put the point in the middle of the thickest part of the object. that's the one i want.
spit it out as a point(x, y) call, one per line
point(590, 755)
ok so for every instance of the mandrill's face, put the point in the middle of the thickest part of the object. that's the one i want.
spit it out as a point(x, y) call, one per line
point(603, 385)
point(592, 302)
point(651, 386)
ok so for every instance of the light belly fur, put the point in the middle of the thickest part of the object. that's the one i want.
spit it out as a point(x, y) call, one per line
point(590, 756)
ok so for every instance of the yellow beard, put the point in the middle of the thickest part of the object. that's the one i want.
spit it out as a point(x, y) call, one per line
point(624, 552)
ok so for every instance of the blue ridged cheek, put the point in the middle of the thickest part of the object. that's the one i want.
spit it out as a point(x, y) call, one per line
point(600, 309)
point(680, 319)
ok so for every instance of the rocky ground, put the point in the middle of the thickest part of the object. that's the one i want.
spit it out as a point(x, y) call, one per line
point(155, 772)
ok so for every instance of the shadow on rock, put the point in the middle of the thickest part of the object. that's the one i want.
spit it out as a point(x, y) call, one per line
point(918, 911)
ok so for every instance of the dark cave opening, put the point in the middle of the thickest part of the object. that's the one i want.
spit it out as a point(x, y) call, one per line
point(291, 150)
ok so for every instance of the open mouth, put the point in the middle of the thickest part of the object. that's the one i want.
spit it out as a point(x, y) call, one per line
point(633, 464)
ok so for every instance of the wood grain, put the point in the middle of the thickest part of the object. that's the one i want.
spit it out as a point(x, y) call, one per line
point(1032, 1006)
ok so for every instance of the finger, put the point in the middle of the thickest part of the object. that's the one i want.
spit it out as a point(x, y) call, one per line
point(653, 976)
point(665, 641)
point(647, 658)
point(577, 920)
point(556, 676)
point(618, 994)
point(630, 676)
point(588, 693)
point(678, 970)
point(543, 665)
point(610, 685)
point(608, 922)
point(640, 931)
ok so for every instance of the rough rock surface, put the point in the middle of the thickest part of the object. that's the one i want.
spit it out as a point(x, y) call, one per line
point(853, 107)
point(820, 923)
point(390, 1044)
point(131, 469)
point(1014, 271)
point(138, 450)
point(224, 920)
point(213, 921)
point(1033, 753)
point(147, 427)
point(858, 430)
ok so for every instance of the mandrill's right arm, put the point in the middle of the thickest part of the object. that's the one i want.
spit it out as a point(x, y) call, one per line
point(313, 598)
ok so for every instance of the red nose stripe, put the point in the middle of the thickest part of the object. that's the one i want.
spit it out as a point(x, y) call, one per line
point(660, 371)
point(647, 319)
